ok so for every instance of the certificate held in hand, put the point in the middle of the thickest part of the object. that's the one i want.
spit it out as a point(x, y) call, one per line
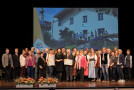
point(68, 62)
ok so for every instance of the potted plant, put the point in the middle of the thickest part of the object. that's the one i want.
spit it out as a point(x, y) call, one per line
point(47, 82)
point(24, 82)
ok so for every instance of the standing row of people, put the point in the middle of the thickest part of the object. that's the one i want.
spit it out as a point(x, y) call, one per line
point(100, 65)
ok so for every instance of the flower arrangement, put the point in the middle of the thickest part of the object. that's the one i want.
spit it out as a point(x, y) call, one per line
point(27, 81)
point(48, 80)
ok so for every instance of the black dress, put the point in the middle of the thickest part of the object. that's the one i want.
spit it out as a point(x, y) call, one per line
point(60, 64)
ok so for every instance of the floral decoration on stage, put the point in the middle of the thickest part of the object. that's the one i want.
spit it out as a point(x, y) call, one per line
point(49, 80)
point(27, 81)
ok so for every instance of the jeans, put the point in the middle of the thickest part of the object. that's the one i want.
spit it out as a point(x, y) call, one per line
point(30, 71)
point(128, 73)
point(114, 73)
point(105, 71)
point(51, 71)
point(120, 72)
point(99, 73)
point(68, 72)
point(36, 71)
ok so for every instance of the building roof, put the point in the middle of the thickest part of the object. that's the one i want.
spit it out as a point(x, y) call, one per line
point(64, 12)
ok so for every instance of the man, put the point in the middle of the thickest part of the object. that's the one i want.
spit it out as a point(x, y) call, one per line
point(32, 50)
point(16, 64)
point(7, 63)
point(68, 67)
point(128, 65)
point(104, 64)
point(37, 55)
point(120, 66)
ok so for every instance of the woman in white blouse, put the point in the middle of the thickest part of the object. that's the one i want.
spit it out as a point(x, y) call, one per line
point(22, 63)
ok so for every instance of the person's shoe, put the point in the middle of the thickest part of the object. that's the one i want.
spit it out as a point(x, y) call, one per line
point(104, 81)
point(113, 80)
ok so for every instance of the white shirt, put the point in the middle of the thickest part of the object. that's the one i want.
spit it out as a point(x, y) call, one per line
point(22, 60)
point(108, 60)
point(51, 60)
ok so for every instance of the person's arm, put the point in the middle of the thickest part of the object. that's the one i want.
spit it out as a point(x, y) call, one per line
point(100, 61)
point(125, 60)
point(20, 60)
point(3, 58)
point(34, 61)
point(108, 60)
point(11, 60)
point(95, 60)
point(26, 61)
point(130, 61)
point(122, 58)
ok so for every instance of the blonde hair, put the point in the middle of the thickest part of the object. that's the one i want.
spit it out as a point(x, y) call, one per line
point(81, 51)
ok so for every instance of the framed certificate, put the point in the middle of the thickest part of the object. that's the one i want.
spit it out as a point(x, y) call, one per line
point(68, 62)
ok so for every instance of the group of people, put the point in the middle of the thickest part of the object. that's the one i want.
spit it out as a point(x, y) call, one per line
point(84, 65)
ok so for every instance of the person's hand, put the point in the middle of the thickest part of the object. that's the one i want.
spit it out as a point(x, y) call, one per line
point(41, 67)
point(121, 66)
point(94, 65)
point(4, 66)
point(21, 66)
point(108, 66)
point(130, 66)
point(26, 66)
point(34, 66)
point(100, 66)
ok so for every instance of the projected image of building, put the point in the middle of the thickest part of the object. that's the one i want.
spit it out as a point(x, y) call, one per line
point(79, 27)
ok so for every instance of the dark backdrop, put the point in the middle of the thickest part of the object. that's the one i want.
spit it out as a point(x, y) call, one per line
point(17, 24)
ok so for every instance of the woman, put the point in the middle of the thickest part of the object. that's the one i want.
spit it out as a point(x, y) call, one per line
point(92, 61)
point(99, 71)
point(80, 64)
point(59, 63)
point(22, 63)
point(42, 66)
point(74, 69)
point(50, 62)
point(113, 64)
point(30, 65)
point(86, 69)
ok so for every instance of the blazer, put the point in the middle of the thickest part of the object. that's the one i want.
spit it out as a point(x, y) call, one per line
point(16, 61)
point(5, 59)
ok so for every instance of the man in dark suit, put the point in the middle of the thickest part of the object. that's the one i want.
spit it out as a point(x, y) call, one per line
point(16, 64)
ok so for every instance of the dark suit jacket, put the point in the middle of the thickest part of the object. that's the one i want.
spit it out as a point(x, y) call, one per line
point(121, 59)
point(16, 61)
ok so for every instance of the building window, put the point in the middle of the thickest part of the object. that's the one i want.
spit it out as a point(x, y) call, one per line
point(100, 16)
point(71, 21)
point(59, 23)
point(84, 19)
point(84, 31)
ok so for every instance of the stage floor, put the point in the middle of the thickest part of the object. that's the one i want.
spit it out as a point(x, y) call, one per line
point(77, 84)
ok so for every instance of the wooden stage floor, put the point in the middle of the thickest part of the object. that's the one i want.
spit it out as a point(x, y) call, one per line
point(77, 84)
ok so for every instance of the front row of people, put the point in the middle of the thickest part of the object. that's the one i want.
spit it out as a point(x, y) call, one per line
point(102, 65)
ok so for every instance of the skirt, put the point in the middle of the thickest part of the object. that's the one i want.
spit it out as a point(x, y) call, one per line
point(92, 70)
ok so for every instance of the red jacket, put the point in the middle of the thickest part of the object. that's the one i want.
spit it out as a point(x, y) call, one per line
point(83, 62)
point(32, 58)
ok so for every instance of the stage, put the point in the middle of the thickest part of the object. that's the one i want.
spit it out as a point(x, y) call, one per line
point(77, 84)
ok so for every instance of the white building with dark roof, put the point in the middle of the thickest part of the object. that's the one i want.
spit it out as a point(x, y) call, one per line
point(84, 20)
